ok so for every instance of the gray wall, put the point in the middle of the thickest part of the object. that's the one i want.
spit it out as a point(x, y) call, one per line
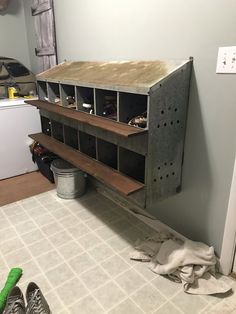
point(160, 29)
point(31, 38)
point(13, 41)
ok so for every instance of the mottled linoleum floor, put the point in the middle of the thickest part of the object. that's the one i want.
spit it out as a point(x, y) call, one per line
point(78, 253)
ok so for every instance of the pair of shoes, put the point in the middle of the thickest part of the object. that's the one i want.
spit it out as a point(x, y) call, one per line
point(36, 303)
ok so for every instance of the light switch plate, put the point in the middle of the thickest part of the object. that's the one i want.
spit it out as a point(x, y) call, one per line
point(226, 61)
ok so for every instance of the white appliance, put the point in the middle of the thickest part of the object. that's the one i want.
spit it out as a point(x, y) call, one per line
point(17, 120)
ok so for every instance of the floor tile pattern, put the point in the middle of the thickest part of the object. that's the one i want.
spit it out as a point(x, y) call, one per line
point(78, 253)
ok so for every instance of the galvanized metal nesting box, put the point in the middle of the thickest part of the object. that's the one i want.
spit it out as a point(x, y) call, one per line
point(121, 122)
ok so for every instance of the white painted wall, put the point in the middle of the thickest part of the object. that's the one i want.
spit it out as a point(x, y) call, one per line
point(160, 29)
point(13, 41)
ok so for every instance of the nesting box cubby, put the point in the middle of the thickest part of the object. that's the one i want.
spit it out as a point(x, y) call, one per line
point(121, 122)
point(53, 92)
point(87, 144)
point(57, 130)
point(107, 153)
point(71, 137)
point(106, 104)
point(85, 99)
point(131, 105)
point(46, 126)
point(42, 90)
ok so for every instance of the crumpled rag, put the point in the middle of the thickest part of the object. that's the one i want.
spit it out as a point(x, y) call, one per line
point(190, 263)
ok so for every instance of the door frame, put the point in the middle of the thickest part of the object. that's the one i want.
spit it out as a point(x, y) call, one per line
point(229, 238)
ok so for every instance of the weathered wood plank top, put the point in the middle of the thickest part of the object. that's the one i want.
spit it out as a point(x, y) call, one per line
point(119, 128)
point(103, 173)
point(131, 76)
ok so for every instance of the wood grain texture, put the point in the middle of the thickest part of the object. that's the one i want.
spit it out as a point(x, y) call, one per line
point(104, 174)
point(106, 124)
point(132, 76)
point(20, 187)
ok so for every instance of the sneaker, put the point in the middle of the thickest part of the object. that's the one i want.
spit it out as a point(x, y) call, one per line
point(15, 302)
point(37, 304)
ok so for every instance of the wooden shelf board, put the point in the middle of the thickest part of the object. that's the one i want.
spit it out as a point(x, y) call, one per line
point(103, 173)
point(109, 125)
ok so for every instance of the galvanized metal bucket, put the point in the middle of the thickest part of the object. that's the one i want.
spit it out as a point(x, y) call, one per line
point(70, 182)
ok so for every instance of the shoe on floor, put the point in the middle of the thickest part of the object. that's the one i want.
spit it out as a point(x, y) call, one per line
point(15, 302)
point(36, 303)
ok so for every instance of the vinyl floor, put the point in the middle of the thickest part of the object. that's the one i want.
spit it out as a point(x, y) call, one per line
point(77, 251)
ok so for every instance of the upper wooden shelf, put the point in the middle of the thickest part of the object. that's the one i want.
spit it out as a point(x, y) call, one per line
point(109, 125)
point(103, 173)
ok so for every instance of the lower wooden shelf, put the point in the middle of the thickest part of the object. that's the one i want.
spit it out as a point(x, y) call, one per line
point(101, 172)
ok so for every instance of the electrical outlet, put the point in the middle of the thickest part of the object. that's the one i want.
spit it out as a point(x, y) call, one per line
point(226, 61)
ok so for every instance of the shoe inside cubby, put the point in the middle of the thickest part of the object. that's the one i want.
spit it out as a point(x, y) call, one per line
point(54, 93)
point(67, 94)
point(132, 164)
point(85, 99)
point(71, 137)
point(107, 153)
point(87, 144)
point(106, 104)
point(133, 109)
point(57, 131)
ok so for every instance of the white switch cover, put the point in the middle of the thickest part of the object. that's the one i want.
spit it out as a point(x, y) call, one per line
point(226, 62)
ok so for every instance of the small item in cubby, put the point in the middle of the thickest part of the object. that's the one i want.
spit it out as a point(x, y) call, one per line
point(88, 108)
point(110, 109)
point(139, 121)
point(57, 101)
point(71, 102)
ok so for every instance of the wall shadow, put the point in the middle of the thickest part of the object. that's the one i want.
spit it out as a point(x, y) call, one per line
point(188, 211)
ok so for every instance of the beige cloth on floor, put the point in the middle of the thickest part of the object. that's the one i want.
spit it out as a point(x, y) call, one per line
point(191, 263)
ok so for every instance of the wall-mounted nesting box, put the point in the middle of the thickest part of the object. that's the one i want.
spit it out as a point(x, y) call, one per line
point(121, 122)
